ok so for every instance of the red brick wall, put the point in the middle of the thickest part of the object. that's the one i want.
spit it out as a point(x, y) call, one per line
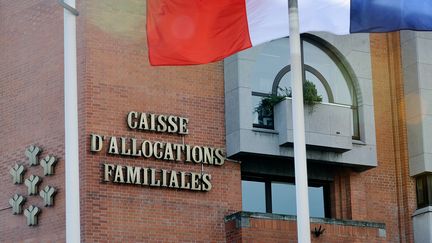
point(114, 78)
point(387, 193)
point(31, 112)
point(118, 79)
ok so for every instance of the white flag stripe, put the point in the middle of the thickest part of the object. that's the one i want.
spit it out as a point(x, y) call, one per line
point(325, 15)
point(268, 19)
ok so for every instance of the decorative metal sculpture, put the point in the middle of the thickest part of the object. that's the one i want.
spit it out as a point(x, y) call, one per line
point(32, 215)
point(47, 195)
point(32, 155)
point(17, 202)
point(17, 173)
point(32, 184)
point(48, 164)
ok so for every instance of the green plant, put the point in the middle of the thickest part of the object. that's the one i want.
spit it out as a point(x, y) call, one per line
point(310, 93)
point(310, 97)
point(265, 107)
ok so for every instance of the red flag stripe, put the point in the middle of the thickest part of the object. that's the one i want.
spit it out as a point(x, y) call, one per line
point(182, 32)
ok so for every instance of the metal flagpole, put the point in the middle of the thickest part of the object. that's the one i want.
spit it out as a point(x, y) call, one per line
point(302, 201)
point(73, 230)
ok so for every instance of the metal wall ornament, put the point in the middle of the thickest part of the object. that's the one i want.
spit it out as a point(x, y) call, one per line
point(16, 203)
point(48, 164)
point(32, 184)
point(17, 172)
point(32, 213)
point(32, 153)
point(47, 194)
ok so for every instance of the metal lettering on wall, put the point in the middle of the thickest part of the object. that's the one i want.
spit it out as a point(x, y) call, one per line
point(32, 183)
point(157, 150)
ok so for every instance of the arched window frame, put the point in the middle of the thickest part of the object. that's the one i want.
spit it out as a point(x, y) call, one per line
point(346, 71)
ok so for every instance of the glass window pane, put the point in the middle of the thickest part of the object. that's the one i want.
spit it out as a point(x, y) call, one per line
point(316, 202)
point(253, 196)
point(424, 190)
point(284, 84)
point(270, 58)
point(283, 198)
point(420, 192)
point(429, 189)
point(318, 59)
point(255, 104)
point(262, 115)
point(319, 86)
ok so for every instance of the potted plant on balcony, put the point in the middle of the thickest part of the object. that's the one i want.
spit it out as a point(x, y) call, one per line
point(310, 94)
point(310, 97)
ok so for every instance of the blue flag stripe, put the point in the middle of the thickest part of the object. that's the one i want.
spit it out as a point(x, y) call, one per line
point(390, 15)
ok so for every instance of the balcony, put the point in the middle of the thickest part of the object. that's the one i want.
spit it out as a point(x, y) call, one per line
point(327, 126)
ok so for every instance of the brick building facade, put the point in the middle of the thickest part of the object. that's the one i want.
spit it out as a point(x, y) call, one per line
point(370, 198)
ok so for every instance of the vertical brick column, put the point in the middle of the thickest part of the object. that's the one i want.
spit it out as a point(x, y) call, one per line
point(31, 112)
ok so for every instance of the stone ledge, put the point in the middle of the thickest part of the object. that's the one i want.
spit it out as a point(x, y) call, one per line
point(424, 210)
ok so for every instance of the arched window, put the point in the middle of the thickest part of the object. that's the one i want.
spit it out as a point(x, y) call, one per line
point(323, 65)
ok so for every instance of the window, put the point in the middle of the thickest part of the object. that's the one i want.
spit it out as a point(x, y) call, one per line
point(278, 196)
point(253, 192)
point(322, 65)
point(424, 190)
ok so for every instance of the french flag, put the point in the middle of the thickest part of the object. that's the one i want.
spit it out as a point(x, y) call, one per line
point(185, 32)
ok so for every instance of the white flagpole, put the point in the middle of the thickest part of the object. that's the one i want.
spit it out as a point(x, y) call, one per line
point(302, 201)
point(73, 230)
